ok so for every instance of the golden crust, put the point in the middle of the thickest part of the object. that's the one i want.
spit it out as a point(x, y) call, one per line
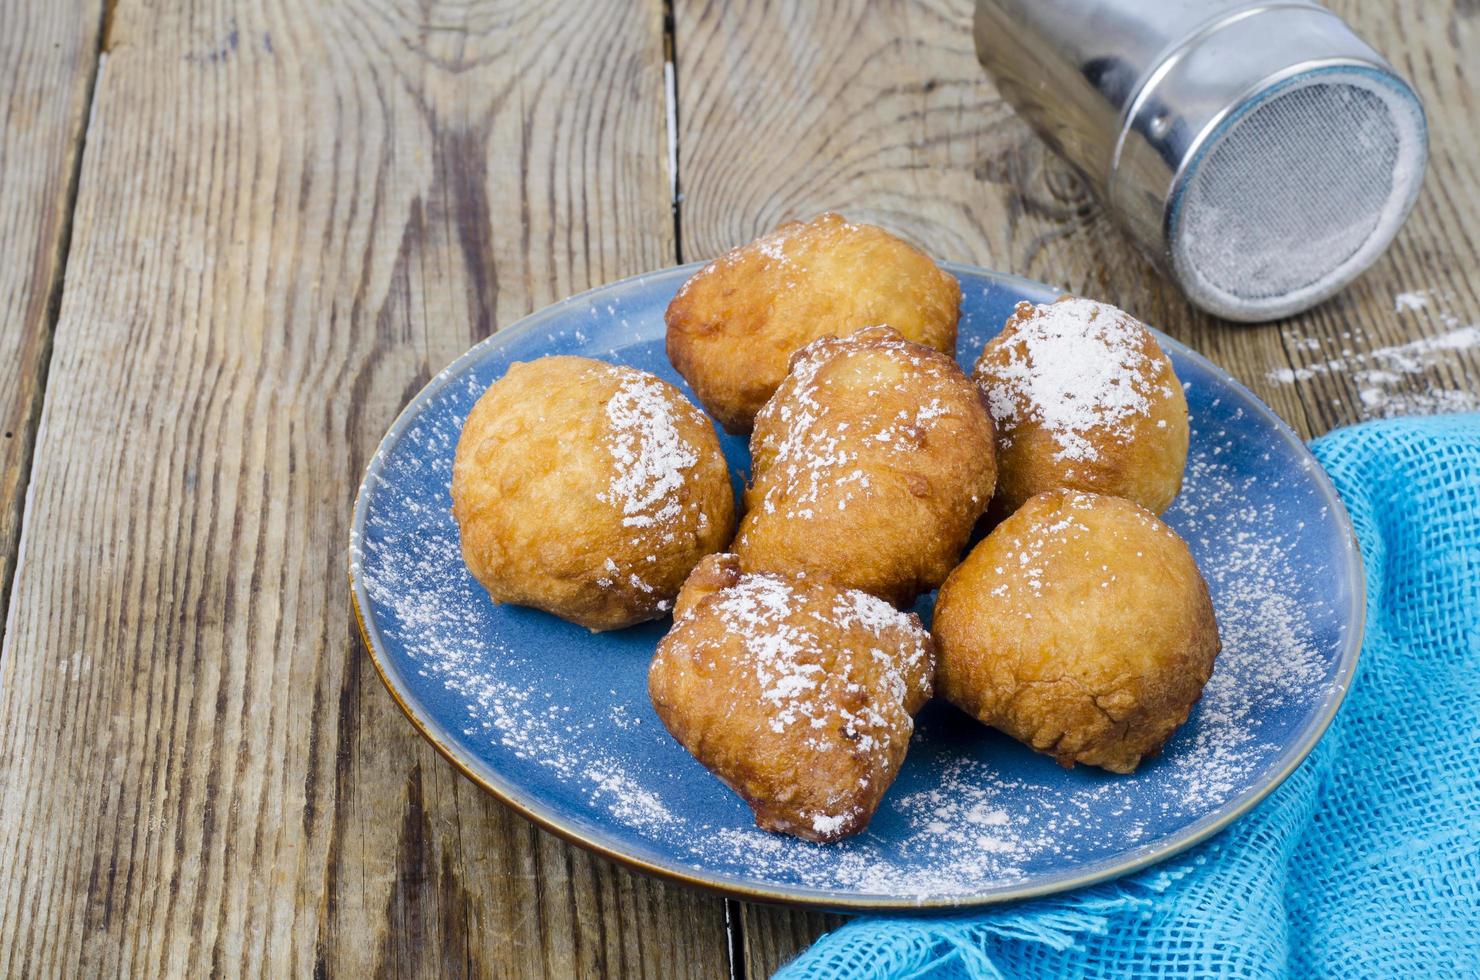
point(588, 490)
point(734, 324)
point(1084, 399)
point(871, 464)
point(796, 694)
point(1080, 626)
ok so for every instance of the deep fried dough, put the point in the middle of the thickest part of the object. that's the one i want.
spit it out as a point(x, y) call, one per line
point(796, 694)
point(870, 465)
point(732, 327)
point(588, 490)
point(1084, 399)
point(1080, 626)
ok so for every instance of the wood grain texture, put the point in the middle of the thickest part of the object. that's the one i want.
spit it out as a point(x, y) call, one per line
point(290, 215)
point(879, 110)
point(48, 53)
point(775, 934)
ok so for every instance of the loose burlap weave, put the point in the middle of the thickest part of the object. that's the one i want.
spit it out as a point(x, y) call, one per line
point(1366, 862)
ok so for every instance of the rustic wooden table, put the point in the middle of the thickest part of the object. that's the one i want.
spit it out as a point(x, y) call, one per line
point(236, 237)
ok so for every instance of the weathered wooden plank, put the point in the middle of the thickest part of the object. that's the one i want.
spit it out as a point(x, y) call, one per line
point(48, 53)
point(290, 215)
point(1405, 338)
point(774, 934)
point(879, 109)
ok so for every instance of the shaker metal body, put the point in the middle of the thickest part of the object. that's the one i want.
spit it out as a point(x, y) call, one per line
point(1178, 112)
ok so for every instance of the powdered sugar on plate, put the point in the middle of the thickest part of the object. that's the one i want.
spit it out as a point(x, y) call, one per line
point(558, 719)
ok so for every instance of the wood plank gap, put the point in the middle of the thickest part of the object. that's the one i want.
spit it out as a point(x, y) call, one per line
point(32, 419)
point(105, 31)
point(675, 174)
point(735, 939)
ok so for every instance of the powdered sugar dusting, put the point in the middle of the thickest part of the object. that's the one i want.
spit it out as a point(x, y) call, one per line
point(414, 584)
point(789, 658)
point(814, 680)
point(1382, 362)
point(969, 827)
point(1396, 379)
point(783, 252)
point(1076, 368)
point(649, 453)
point(1403, 302)
point(1271, 656)
point(809, 444)
point(563, 715)
point(1024, 560)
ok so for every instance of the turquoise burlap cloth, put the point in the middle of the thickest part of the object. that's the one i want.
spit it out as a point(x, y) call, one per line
point(1366, 862)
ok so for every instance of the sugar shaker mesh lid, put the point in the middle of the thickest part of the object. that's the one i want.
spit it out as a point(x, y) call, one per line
point(1297, 192)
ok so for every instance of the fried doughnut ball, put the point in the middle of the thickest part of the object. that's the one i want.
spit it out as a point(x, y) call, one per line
point(798, 695)
point(588, 490)
point(1080, 626)
point(732, 327)
point(1083, 398)
point(870, 464)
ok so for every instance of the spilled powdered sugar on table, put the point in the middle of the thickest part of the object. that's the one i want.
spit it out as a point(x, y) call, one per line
point(1397, 379)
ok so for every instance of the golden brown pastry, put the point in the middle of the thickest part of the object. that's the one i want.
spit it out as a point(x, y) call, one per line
point(870, 465)
point(1083, 398)
point(798, 695)
point(734, 325)
point(588, 490)
point(1080, 626)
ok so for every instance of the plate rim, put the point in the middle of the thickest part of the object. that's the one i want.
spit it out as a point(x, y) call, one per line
point(549, 819)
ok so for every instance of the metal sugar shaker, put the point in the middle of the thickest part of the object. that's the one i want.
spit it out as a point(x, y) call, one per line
point(1261, 154)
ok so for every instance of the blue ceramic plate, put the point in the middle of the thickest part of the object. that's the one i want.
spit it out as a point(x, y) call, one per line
point(555, 721)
